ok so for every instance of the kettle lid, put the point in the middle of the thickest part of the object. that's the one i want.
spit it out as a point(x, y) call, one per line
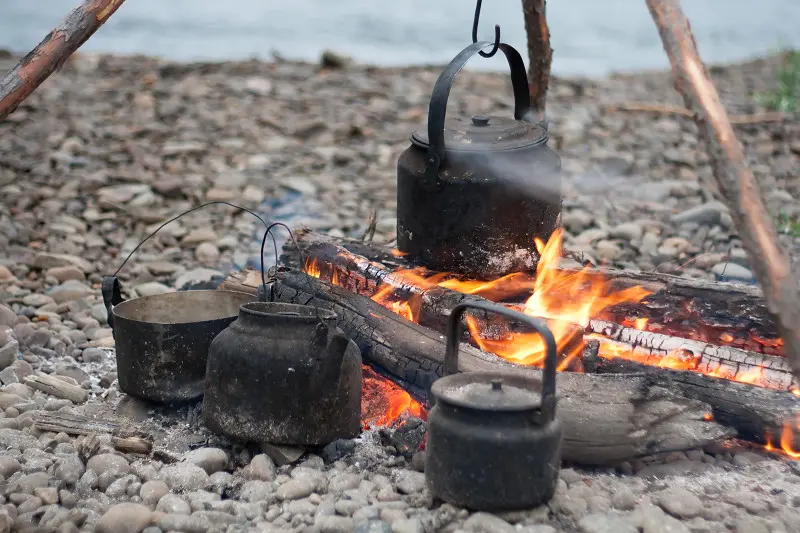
point(488, 391)
point(485, 133)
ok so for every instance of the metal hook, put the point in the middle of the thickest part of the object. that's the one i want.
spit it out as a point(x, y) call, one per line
point(477, 18)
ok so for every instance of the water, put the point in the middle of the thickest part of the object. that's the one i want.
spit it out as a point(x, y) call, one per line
point(590, 37)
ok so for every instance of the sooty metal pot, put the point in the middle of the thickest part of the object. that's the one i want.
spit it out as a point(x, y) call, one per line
point(493, 440)
point(282, 373)
point(473, 192)
point(162, 340)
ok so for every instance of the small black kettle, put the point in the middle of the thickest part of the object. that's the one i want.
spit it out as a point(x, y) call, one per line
point(494, 443)
point(472, 193)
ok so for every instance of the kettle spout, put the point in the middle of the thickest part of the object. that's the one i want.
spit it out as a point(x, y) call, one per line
point(328, 373)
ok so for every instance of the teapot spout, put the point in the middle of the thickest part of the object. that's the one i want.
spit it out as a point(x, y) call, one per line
point(327, 375)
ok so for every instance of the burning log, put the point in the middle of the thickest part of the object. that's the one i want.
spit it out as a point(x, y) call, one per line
point(50, 54)
point(723, 314)
point(674, 303)
point(607, 419)
point(758, 414)
point(733, 176)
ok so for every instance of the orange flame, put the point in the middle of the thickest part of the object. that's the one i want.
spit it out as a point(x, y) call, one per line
point(383, 402)
point(787, 446)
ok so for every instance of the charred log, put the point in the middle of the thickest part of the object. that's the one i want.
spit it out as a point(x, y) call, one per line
point(732, 174)
point(758, 414)
point(50, 54)
point(723, 314)
point(607, 419)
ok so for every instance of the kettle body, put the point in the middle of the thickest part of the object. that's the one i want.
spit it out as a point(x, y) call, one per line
point(283, 374)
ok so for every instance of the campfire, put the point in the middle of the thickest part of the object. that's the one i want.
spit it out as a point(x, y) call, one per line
point(605, 313)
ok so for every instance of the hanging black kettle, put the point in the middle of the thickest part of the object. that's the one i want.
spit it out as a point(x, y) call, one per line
point(473, 192)
point(494, 443)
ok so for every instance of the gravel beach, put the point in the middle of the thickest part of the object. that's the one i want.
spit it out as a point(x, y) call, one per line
point(110, 147)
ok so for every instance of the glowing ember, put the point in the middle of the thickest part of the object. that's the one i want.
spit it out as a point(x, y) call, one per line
point(383, 402)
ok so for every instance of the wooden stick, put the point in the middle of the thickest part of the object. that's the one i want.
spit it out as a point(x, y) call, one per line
point(539, 53)
point(662, 109)
point(57, 387)
point(733, 176)
point(50, 54)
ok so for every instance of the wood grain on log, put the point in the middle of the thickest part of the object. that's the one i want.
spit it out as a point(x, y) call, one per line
point(717, 361)
point(50, 54)
point(734, 178)
point(540, 54)
point(758, 414)
point(606, 419)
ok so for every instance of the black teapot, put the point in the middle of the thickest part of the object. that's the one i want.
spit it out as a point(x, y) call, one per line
point(494, 442)
point(282, 373)
point(473, 192)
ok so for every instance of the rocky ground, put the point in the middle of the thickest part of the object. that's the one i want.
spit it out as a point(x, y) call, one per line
point(110, 147)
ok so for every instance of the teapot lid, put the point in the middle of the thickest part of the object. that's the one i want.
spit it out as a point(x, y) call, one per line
point(485, 133)
point(488, 391)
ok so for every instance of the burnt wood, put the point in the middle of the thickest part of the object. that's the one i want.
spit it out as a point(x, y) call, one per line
point(723, 314)
point(607, 419)
point(758, 414)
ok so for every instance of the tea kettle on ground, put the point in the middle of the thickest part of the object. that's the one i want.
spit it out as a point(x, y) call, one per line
point(494, 443)
point(284, 374)
point(473, 192)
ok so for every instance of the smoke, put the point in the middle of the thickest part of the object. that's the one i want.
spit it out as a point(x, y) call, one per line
point(532, 177)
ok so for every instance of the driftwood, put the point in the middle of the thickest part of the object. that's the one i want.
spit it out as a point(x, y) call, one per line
point(57, 387)
point(50, 54)
point(124, 439)
point(540, 53)
point(758, 414)
point(734, 178)
point(606, 419)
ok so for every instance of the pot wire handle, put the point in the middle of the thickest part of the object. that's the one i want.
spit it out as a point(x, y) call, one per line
point(437, 109)
point(201, 206)
point(454, 329)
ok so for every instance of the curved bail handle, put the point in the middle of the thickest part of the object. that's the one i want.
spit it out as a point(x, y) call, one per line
point(437, 108)
point(112, 295)
point(539, 325)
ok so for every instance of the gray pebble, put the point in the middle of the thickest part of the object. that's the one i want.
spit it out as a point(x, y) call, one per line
point(184, 477)
point(124, 518)
point(212, 460)
point(408, 481)
point(679, 502)
point(151, 492)
point(294, 489)
point(261, 467)
point(172, 503)
point(603, 523)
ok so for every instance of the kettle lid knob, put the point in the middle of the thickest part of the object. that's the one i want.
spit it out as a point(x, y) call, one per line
point(480, 120)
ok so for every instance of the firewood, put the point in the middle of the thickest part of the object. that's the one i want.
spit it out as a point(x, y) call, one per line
point(733, 176)
point(607, 419)
point(50, 54)
point(724, 314)
point(124, 439)
point(758, 414)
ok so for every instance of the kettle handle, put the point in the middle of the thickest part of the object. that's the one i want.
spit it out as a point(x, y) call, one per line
point(549, 374)
point(437, 108)
point(112, 296)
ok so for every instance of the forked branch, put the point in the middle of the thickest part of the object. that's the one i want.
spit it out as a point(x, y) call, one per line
point(732, 174)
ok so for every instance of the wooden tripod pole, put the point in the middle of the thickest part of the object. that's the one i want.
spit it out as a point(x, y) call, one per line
point(50, 54)
point(732, 174)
